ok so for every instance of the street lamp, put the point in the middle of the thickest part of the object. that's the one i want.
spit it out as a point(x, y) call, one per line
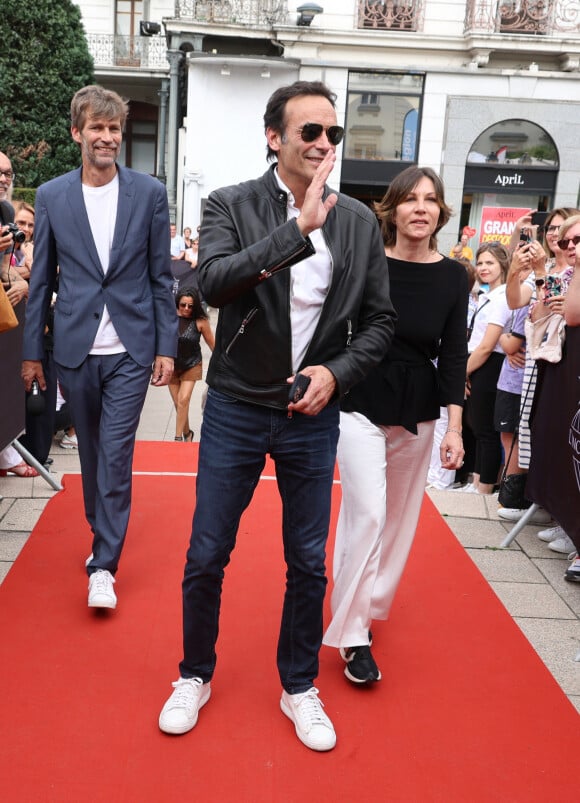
point(307, 12)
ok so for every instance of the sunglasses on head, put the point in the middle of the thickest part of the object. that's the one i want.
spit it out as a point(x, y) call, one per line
point(311, 131)
point(565, 242)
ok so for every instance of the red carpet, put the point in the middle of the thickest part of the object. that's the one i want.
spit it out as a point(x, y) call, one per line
point(465, 711)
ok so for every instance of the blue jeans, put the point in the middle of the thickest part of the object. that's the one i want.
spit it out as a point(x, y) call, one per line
point(235, 438)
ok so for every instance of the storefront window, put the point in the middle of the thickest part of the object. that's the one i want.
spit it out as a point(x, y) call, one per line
point(511, 169)
point(514, 142)
point(382, 116)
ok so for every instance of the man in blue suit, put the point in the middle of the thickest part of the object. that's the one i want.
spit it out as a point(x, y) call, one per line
point(104, 231)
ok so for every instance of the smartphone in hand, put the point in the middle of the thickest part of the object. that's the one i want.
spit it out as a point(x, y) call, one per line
point(298, 388)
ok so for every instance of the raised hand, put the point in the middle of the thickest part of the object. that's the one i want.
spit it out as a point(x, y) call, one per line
point(314, 210)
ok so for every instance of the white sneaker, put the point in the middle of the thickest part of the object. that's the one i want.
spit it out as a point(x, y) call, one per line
point(69, 442)
point(562, 544)
point(101, 594)
point(180, 712)
point(539, 516)
point(313, 727)
point(551, 533)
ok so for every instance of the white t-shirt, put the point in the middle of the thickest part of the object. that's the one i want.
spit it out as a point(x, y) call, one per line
point(177, 246)
point(492, 308)
point(309, 283)
point(101, 205)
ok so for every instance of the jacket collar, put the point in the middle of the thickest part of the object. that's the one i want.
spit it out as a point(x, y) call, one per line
point(81, 220)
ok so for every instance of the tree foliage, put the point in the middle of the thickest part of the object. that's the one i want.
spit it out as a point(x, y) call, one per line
point(44, 60)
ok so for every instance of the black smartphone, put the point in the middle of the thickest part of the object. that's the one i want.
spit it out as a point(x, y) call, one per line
point(539, 218)
point(298, 388)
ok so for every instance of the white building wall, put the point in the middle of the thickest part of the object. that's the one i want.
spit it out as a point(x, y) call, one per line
point(224, 140)
point(441, 17)
point(98, 15)
point(225, 134)
point(457, 108)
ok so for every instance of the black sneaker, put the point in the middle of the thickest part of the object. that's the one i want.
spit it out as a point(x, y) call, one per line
point(360, 664)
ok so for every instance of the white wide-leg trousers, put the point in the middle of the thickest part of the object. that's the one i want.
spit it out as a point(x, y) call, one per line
point(383, 471)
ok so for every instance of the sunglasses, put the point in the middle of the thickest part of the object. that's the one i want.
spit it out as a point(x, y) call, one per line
point(565, 242)
point(186, 306)
point(311, 131)
point(551, 229)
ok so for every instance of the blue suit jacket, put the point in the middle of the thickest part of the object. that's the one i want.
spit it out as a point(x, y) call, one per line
point(136, 288)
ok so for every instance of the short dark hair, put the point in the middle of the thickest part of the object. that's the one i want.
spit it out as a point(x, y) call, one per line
point(274, 116)
point(398, 190)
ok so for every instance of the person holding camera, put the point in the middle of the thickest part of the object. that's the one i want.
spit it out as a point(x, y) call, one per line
point(104, 229)
point(23, 254)
point(300, 278)
point(538, 260)
point(10, 237)
point(11, 464)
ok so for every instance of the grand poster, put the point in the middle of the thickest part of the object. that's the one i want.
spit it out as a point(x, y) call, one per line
point(498, 223)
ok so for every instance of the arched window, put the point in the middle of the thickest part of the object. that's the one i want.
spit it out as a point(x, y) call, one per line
point(515, 142)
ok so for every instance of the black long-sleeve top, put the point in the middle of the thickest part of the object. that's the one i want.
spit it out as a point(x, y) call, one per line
point(407, 387)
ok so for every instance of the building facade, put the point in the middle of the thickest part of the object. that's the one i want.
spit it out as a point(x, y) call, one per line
point(486, 92)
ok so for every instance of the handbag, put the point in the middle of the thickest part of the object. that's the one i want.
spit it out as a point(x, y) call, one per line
point(511, 491)
point(8, 319)
point(546, 337)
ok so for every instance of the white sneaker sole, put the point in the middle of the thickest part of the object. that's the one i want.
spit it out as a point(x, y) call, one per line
point(103, 602)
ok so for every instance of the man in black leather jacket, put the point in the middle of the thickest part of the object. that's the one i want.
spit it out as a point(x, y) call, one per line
point(300, 277)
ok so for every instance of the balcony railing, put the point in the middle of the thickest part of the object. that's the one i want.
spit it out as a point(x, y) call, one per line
point(260, 13)
point(533, 17)
point(395, 15)
point(138, 52)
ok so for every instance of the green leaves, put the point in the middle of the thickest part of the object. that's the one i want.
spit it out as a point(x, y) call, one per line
point(43, 62)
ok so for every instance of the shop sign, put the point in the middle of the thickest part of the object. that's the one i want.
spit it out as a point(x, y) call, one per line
point(505, 180)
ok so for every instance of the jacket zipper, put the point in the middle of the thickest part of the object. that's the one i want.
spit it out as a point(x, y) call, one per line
point(250, 315)
point(267, 273)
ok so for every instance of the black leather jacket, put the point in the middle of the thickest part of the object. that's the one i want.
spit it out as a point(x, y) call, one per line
point(246, 244)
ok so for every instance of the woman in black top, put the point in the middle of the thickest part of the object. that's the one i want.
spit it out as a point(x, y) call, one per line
point(193, 324)
point(388, 419)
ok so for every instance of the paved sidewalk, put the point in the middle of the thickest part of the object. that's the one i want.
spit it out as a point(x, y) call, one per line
point(528, 578)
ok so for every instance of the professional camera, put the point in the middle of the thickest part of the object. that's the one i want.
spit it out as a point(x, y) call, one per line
point(12, 228)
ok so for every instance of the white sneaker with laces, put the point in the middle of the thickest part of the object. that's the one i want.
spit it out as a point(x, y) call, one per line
point(180, 712)
point(551, 534)
point(101, 594)
point(313, 727)
point(69, 442)
point(562, 544)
